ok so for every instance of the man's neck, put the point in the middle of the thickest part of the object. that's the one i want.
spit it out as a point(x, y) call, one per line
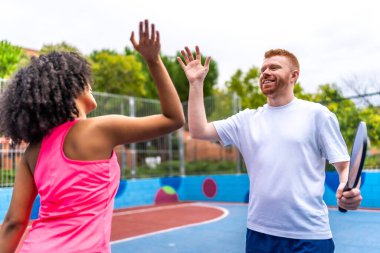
point(276, 101)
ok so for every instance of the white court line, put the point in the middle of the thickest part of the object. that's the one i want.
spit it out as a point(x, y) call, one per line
point(225, 213)
point(363, 210)
point(151, 209)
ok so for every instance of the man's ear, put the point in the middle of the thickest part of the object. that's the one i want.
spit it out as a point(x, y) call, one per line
point(295, 74)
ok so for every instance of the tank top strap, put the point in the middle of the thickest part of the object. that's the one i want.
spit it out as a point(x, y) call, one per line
point(56, 137)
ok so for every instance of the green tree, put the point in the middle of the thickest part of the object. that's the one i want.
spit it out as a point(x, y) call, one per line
point(371, 115)
point(62, 46)
point(11, 58)
point(177, 75)
point(118, 74)
point(301, 94)
point(345, 110)
point(149, 86)
point(246, 86)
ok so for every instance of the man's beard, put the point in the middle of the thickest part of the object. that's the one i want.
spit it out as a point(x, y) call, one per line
point(271, 89)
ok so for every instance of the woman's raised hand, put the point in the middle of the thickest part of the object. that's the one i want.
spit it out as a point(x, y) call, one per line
point(149, 41)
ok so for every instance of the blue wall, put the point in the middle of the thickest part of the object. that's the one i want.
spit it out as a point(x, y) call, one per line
point(5, 200)
point(224, 188)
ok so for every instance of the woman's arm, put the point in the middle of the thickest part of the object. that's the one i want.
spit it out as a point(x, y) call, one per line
point(18, 215)
point(121, 129)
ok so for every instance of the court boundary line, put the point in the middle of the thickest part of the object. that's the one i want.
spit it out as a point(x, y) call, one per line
point(224, 210)
point(363, 209)
point(150, 209)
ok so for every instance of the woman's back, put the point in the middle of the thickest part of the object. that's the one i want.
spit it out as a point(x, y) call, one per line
point(76, 199)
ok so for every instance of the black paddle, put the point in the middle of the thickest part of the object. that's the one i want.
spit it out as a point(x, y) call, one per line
point(358, 154)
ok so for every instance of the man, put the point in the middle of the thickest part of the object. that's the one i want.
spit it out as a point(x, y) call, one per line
point(285, 145)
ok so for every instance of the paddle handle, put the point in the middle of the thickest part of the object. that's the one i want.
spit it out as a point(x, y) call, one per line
point(340, 208)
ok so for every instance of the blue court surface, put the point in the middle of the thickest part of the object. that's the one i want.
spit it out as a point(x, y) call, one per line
point(353, 232)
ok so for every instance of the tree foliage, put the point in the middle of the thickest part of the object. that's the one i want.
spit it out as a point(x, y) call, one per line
point(118, 74)
point(371, 115)
point(62, 46)
point(345, 110)
point(349, 114)
point(246, 86)
point(177, 75)
point(11, 58)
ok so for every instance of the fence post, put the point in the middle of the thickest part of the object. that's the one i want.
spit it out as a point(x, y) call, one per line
point(123, 153)
point(133, 145)
point(170, 147)
point(2, 83)
point(181, 152)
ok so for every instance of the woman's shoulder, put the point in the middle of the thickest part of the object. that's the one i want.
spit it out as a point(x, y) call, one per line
point(31, 154)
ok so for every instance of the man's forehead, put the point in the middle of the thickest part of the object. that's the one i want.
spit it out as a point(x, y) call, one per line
point(277, 59)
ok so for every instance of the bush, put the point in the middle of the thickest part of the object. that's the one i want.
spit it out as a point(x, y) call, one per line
point(371, 162)
point(172, 168)
point(7, 177)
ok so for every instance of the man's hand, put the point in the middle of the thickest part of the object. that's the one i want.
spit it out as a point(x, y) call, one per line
point(194, 70)
point(349, 200)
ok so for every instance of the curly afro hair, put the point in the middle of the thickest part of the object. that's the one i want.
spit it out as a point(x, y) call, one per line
point(42, 96)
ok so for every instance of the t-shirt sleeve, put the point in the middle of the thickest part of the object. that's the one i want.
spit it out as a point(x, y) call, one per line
point(331, 141)
point(228, 129)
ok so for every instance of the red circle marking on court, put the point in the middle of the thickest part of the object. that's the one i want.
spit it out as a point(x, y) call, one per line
point(136, 221)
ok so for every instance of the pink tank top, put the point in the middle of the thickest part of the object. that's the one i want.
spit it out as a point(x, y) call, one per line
point(77, 200)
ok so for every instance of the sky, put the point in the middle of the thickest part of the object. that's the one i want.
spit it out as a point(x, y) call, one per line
point(335, 41)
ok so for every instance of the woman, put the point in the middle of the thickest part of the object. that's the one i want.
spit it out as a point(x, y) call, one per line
point(70, 160)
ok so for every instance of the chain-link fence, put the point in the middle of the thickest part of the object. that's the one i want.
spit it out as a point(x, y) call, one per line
point(350, 111)
point(177, 153)
point(2, 84)
point(169, 155)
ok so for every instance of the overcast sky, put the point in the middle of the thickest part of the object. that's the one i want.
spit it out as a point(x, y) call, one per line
point(334, 40)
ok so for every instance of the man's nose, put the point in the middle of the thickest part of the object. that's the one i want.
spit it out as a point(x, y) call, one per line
point(265, 73)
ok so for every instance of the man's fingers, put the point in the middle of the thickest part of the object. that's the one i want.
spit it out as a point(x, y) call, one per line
point(189, 54)
point(351, 193)
point(198, 53)
point(183, 66)
point(207, 62)
point(185, 56)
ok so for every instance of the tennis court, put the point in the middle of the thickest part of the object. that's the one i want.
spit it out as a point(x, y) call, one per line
point(197, 227)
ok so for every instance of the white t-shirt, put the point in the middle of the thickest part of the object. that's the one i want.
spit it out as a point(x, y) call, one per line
point(285, 150)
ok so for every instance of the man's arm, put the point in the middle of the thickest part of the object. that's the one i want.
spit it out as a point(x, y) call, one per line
point(196, 73)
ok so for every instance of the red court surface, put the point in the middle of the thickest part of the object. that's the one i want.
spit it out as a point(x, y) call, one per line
point(207, 227)
point(132, 222)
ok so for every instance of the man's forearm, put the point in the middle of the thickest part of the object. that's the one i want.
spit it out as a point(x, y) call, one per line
point(196, 111)
point(342, 169)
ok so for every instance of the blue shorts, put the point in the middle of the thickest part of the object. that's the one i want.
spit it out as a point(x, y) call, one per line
point(262, 243)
